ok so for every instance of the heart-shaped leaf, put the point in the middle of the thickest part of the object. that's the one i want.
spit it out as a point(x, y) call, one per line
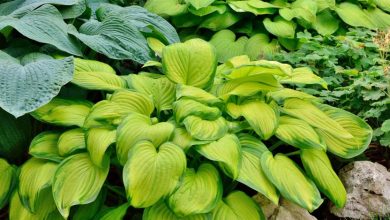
point(160, 211)
point(71, 141)
point(98, 140)
point(151, 174)
point(205, 130)
point(44, 146)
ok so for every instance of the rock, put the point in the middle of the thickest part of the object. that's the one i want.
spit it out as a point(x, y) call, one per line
point(285, 211)
point(368, 191)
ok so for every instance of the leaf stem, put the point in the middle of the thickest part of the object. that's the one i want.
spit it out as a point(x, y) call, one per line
point(293, 153)
point(276, 145)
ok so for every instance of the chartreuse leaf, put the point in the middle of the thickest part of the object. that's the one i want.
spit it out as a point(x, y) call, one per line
point(44, 146)
point(319, 169)
point(90, 210)
point(280, 27)
point(136, 127)
point(114, 37)
point(7, 181)
point(35, 175)
point(205, 130)
point(378, 17)
point(259, 45)
point(95, 75)
point(71, 141)
point(219, 7)
point(78, 181)
point(34, 22)
point(160, 211)
point(291, 181)
point(117, 213)
point(253, 6)
point(308, 112)
point(98, 140)
point(197, 94)
point(166, 7)
point(36, 79)
point(345, 147)
point(217, 22)
point(304, 10)
point(133, 101)
point(251, 173)
point(353, 15)
point(298, 133)
point(259, 67)
point(64, 112)
point(385, 5)
point(263, 124)
point(227, 45)
point(325, 4)
point(198, 4)
point(161, 89)
point(184, 201)
point(164, 167)
point(120, 104)
point(156, 45)
point(186, 107)
point(304, 75)
point(226, 151)
point(286, 93)
point(326, 23)
point(190, 63)
point(46, 208)
point(236, 206)
point(247, 86)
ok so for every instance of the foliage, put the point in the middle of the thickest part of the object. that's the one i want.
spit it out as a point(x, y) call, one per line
point(264, 23)
point(186, 141)
point(355, 68)
point(43, 35)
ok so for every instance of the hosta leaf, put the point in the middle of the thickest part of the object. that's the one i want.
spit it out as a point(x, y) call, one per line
point(253, 6)
point(136, 127)
point(75, 10)
point(166, 7)
point(263, 124)
point(326, 23)
point(237, 205)
point(217, 22)
point(319, 169)
point(78, 181)
point(18, 7)
point(341, 146)
point(186, 107)
point(298, 133)
point(163, 166)
point(227, 45)
point(291, 181)
point(90, 210)
point(251, 173)
point(247, 86)
point(196, 94)
point(308, 112)
point(286, 93)
point(160, 211)
point(219, 8)
point(182, 138)
point(162, 89)
point(35, 175)
point(156, 45)
point(226, 151)
point(198, 4)
point(304, 75)
point(7, 182)
point(385, 5)
point(115, 38)
point(117, 213)
point(34, 23)
point(353, 15)
point(45, 146)
point(190, 63)
point(95, 75)
point(386, 126)
point(301, 9)
point(378, 17)
point(260, 67)
point(71, 141)
point(142, 19)
point(280, 27)
point(133, 101)
point(325, 4)
point(64, 112)
point(33, 82)
point(259, 45)
point(206, 130)
point(184, 202)
point(46, 208)
point(98, 140)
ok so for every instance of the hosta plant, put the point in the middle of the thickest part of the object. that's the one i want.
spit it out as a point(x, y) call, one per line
point(189, 142)
point(256, 27)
